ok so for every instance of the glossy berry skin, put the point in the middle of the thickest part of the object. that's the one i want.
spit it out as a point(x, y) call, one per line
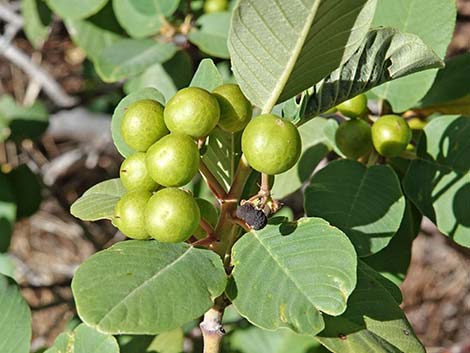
point(390, 135)
point(192, 111)
point(354, 138)
point(213, 6)
point(134, 175)
point(129, 214)
point(235, 109)
point(355, 107)
point(172, 215)
point(209, 213)
point(143, 124)
point(271, 145)
point(173, 160)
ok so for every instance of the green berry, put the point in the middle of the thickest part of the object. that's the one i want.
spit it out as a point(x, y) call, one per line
point(271, 145)
point(390, 135)
point(134, 175)
point(354, 139)
point(355, 107)
point(172, 215)
point(173, 160)
point(129, 214)
point(235, 109)
point(143, 124)
point(209, 213)
point(213, 6)
point(192, 111)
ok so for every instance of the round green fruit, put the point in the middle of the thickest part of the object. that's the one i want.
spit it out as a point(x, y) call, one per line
point(416, 124)
point(173, 160)
point(129, 214)
point(143, 124)
point(192, 111)
point(172, 215)
point(354, 107)
point(134, 175)
point(235, 109)
point(271, 145)
point(209, 213)
point(390, 135)
point(213, 6)
point(353, 138)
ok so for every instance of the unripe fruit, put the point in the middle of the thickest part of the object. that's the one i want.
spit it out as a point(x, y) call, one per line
point(353, 138)
point(354, 107)
point(172, 215)
point(192, 111)
point(209, 213)
point(416, 124)
point(390, 135)
point(173, 160)
point(134, 175)
point(213, 6)
point(235, 109)
point(143, 124)
point(129, 214)
point(271, 145)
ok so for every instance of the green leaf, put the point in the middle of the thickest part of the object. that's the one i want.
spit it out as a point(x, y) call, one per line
point(168, 342)
point(365, 203)
point(7, 212)
point(318, 136)
point(207, 76)
point(118, 115)
point(167, 78)
point(393, 260)
point(99, 201)
point(433, 21)
point(137, 23)
point(7, 266)
point(84, 339)
point(146, 287)
point(438, 181)
point(287, 275)
point(385, 54)
point(373, 321)
point(130, 57)
point(76, 9)
point(37, 20)
point(254, 339)
point(278, 50)
point(211, 36)
point(26, 188)
point(15, 326)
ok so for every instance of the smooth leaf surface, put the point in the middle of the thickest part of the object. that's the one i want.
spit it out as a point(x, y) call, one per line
point(7, 266)
point(433, 21)
point(37, 19)
point(386, 54)
point(373, 321)
point(146, 287)
point(211, 36)
point(76, 9)
point(15, 326)
point(130, 57)
point(168, 342)
point(438, 181)
point(366, 203)
point(99, 201)
point(7, 212)
point(137, 23)
point(207, 76)
point(288, 274)
point(26, 188)
point(280, 48)
point(84, 339)
point(118, 115)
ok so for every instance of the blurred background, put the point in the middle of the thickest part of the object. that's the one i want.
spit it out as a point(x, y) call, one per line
point(55, 143)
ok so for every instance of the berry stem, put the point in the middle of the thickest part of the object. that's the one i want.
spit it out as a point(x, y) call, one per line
point(212, 182)
point(239, 181)
point(264, 189)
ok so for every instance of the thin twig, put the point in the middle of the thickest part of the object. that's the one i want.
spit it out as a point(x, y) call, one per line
point(212, 181)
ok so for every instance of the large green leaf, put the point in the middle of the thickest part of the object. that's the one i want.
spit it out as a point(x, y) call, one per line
point(37, 18)
point(438, 181)
point(26, 188)
point(372, 323)
point(433, 21)
point(99, 201)
point(130, 57)
point(288, 274)
point(146, 287)
point(7, 212)
point(76, 9)
point(84, 339)
point(118, 115)
point(207, 76)
point(318, 138)
point(7, 266)
point(15, 325)
point(385, 54)
point(366, 203)
point(211, 36)
point(279, 48)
